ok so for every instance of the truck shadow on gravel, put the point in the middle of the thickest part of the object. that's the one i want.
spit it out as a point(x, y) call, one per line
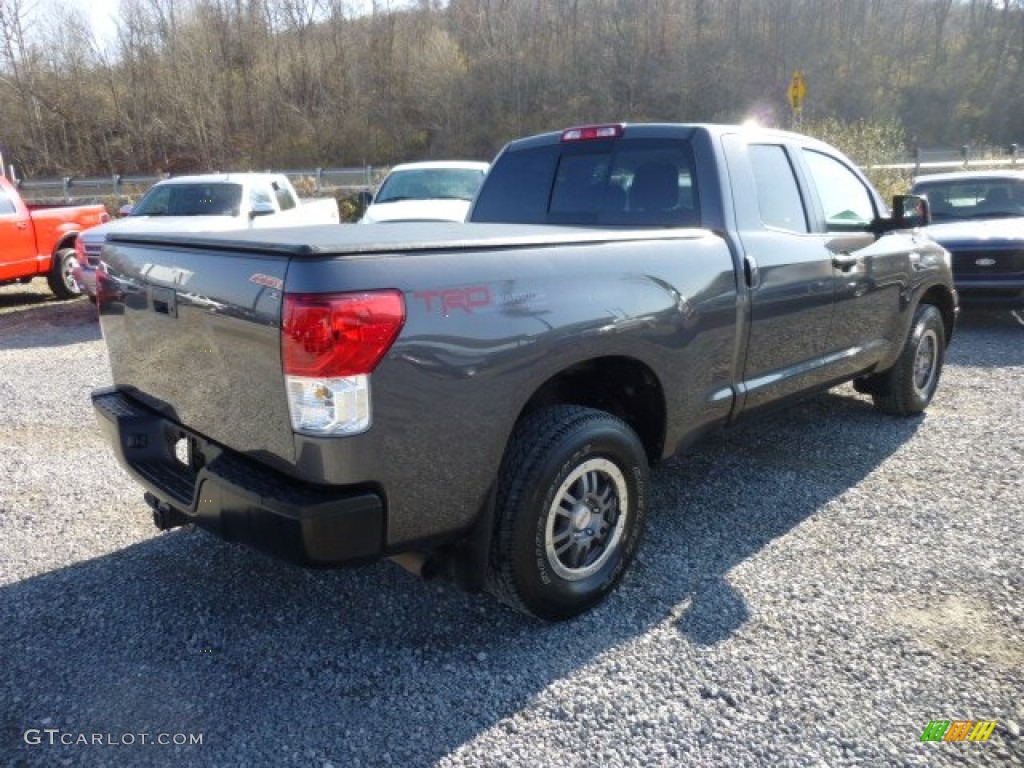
point(47, 323)
point(278, 665)
point(747, 486)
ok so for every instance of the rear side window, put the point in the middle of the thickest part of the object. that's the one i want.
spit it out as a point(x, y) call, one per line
point(778, 196)
point(640, 182)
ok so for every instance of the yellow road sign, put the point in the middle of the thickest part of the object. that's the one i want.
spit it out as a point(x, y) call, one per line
point(797, 90)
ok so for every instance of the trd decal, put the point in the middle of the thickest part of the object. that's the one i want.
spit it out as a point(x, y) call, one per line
point(447, 299)
point(267, 280)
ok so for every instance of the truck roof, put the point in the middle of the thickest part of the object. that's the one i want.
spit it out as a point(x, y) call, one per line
point(669, 130)
point(224, 178)
point(991, 174)
point(468, 165)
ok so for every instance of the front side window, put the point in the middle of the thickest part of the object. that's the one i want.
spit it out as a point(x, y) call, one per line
point(259, 198)
point(846, 201)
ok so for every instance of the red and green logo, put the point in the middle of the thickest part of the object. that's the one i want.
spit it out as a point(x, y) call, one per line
point(958, 730)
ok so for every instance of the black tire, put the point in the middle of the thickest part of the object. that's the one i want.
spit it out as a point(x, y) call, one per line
point(551, 558)
point(62, 282)
point(908, 387)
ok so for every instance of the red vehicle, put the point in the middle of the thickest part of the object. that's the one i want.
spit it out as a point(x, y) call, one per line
point(39, 240)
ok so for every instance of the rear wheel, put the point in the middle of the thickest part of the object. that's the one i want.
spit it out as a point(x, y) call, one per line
point(60, 279)
point(570, 511)
point(908, 387)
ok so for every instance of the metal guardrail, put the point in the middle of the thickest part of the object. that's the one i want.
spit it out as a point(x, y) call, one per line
point(70, 188)
point(357, 179)
point(934, 160)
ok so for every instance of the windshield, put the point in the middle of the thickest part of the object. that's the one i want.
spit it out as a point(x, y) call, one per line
point(190, 200)
point(430, 184)
point(974, 198)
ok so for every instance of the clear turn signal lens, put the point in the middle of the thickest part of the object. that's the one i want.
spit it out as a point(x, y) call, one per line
point(329, 406)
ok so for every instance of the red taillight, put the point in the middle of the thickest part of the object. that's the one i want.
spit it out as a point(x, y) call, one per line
point(80, 252)
point(589, 132)
point(107, 288)
point(339, 334)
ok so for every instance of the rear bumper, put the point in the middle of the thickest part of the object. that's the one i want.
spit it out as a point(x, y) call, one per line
point(237, 497)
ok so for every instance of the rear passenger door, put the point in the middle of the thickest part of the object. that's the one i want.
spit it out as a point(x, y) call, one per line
point(789, 272)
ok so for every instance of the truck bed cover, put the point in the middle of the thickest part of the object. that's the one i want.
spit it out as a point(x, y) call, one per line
point(329, 240)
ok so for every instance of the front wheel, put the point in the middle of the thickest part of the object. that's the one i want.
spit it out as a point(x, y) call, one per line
point(908, 387)
point(61, 280)
point(570, 510)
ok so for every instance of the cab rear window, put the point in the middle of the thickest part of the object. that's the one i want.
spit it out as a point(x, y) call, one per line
point(631, 182)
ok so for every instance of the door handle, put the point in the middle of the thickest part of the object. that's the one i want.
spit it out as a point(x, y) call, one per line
point(844, 261)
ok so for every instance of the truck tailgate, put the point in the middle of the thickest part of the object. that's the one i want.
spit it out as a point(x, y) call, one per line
point(194, 333)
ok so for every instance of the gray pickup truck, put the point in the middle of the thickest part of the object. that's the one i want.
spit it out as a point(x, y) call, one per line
point(484, 400)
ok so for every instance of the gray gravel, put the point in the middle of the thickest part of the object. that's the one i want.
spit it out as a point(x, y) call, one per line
point(814, 588)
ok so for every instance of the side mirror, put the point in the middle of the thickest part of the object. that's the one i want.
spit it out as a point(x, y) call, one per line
point(908, 212)
point(126, 210)
point(911, 211)
point(262, 209)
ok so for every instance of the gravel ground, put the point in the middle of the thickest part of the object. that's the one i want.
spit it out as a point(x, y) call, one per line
point(815, 588)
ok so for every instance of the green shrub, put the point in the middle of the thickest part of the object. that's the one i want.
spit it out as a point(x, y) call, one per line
point(305, 186)
point(869, 144)
point(351, 204)
point(113, 204)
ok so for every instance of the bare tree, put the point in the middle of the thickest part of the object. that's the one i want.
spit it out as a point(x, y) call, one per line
point(203, 84)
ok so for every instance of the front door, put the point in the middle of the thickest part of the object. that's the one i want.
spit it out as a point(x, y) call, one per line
point(872, 273)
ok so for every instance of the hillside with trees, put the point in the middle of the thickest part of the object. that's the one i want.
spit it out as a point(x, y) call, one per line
point(192, 85)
